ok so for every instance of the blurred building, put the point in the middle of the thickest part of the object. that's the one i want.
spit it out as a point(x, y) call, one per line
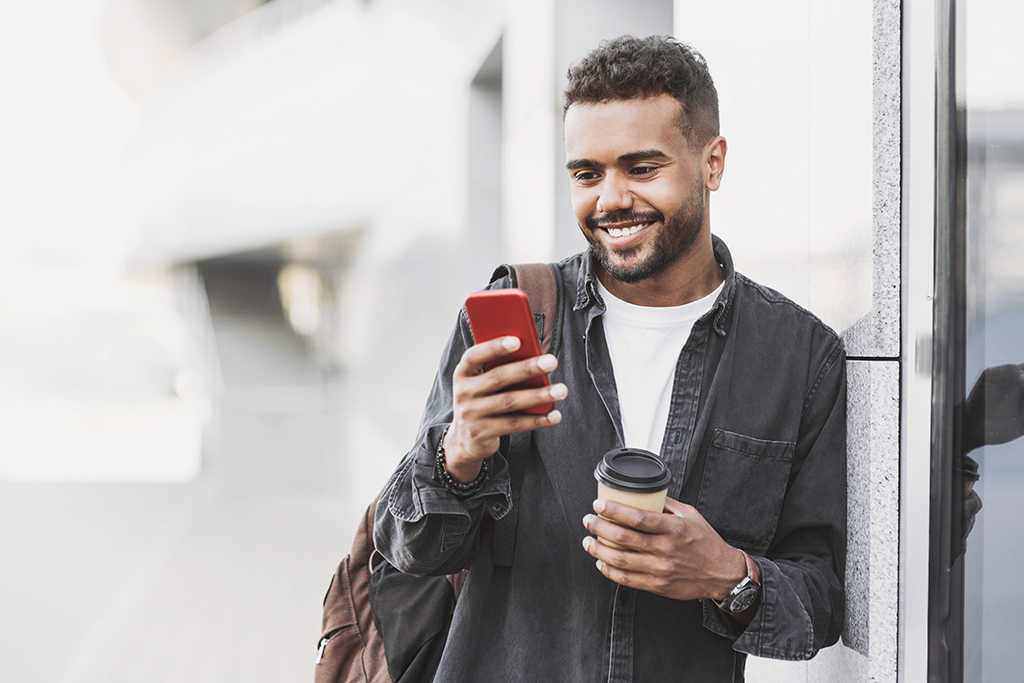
point(325, 180)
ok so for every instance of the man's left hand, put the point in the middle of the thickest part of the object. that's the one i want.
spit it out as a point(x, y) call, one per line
point(675, 554)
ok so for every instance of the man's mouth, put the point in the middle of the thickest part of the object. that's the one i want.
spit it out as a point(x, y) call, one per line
point(630, 230)
point(626, 223)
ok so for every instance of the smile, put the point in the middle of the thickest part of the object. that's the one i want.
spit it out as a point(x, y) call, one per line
point(623, 232)
point(624, 228)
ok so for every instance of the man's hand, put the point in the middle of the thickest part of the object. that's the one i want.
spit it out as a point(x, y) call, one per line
point(675, 554)
point(485, 411)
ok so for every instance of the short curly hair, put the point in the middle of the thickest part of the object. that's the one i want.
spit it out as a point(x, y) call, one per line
point(629, 68)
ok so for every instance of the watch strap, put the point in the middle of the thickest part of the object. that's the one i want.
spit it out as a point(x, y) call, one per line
point(753, 571)
point(750, 582)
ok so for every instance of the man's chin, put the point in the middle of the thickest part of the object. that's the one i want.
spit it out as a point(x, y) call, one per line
point(631, 276)
point(625, 267)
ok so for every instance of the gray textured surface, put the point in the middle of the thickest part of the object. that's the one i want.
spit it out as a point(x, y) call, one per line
point(878, 334)
point(873, 536)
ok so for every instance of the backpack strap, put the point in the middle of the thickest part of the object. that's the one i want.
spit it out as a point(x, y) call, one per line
point(543, 286)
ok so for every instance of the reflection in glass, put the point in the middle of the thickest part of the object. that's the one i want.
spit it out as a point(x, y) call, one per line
point(993, 411)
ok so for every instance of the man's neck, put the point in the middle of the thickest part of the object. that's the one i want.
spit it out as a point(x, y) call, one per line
point(693, 276)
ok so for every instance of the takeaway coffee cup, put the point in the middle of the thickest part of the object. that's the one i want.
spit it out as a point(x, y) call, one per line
point(634, 477)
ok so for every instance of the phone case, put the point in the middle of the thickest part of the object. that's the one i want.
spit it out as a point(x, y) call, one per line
point(506, 313)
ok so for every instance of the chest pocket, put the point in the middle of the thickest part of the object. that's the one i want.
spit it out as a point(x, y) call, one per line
point(743, 486)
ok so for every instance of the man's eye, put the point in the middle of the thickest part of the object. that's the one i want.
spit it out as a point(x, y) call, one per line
point(584, 176)
point(643, 170)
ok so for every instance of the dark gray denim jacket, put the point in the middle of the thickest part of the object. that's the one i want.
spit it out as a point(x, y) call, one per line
point(755, 439)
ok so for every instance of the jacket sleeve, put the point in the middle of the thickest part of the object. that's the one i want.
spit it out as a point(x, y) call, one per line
point(421, 527)
point(802, 597)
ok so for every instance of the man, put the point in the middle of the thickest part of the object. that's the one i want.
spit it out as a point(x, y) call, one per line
point(666, 348)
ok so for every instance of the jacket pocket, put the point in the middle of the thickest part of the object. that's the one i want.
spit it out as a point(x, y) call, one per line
point(743, 487)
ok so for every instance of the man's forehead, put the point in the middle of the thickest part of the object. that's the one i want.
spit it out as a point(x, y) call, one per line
point(623, 127)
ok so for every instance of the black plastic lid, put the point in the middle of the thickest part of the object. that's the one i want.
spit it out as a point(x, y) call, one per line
point(633, 470)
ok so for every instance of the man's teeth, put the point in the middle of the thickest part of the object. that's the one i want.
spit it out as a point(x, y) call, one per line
point(622, 232)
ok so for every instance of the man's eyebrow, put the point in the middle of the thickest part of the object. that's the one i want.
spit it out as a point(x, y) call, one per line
point(573, 164)
point(643, 154)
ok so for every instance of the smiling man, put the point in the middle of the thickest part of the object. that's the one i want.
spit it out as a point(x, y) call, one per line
point(666, 348)
point(616, 194)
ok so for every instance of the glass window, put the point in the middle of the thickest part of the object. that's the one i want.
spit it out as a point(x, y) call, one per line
point(978, 409)
point(993, 414)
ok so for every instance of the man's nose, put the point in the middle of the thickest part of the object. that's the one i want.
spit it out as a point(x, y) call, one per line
point(615, 194)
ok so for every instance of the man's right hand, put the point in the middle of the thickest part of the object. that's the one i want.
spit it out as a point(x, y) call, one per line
point(485, 411)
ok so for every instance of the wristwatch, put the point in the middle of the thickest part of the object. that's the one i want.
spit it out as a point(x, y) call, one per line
point(743, 595)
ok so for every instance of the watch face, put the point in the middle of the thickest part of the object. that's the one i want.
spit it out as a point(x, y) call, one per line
point(743, 599)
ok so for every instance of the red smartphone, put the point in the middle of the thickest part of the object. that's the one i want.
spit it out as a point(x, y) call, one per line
point(507, 313)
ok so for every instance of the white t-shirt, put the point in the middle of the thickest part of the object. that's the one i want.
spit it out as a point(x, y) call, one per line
point(644, 343)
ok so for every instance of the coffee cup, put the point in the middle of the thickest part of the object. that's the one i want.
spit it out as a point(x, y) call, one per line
point(634, 477)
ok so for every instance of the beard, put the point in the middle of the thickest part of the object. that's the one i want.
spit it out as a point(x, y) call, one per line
point(677, 234)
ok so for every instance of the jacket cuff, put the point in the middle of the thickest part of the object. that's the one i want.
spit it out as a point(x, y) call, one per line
point(780, 629)
point(417, 493)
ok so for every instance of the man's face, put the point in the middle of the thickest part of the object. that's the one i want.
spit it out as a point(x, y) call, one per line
point(638, 191)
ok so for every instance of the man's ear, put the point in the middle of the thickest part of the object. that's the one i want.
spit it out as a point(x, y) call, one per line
point(714, 162)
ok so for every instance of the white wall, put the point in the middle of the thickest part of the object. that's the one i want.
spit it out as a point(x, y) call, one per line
point(352, 116)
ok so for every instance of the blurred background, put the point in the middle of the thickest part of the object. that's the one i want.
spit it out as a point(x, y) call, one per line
point(212, 213)
point(234, 237)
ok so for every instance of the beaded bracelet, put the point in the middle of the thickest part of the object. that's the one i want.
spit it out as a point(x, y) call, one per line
point(445, 478)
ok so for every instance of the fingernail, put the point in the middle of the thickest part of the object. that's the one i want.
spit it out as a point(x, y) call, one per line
point(559, 391)
point(599, 506)
point(587, 519)
point(510, 343)
point(547, 362)
point(554, 417)
point(587, 542)
point(600, 565)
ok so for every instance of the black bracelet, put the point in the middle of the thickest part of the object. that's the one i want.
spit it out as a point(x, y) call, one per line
point(444, 477)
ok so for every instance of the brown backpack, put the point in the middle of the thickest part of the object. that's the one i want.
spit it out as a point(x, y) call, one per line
point(350, 648)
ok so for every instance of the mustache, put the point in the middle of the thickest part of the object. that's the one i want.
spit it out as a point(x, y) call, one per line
point(627, 216)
